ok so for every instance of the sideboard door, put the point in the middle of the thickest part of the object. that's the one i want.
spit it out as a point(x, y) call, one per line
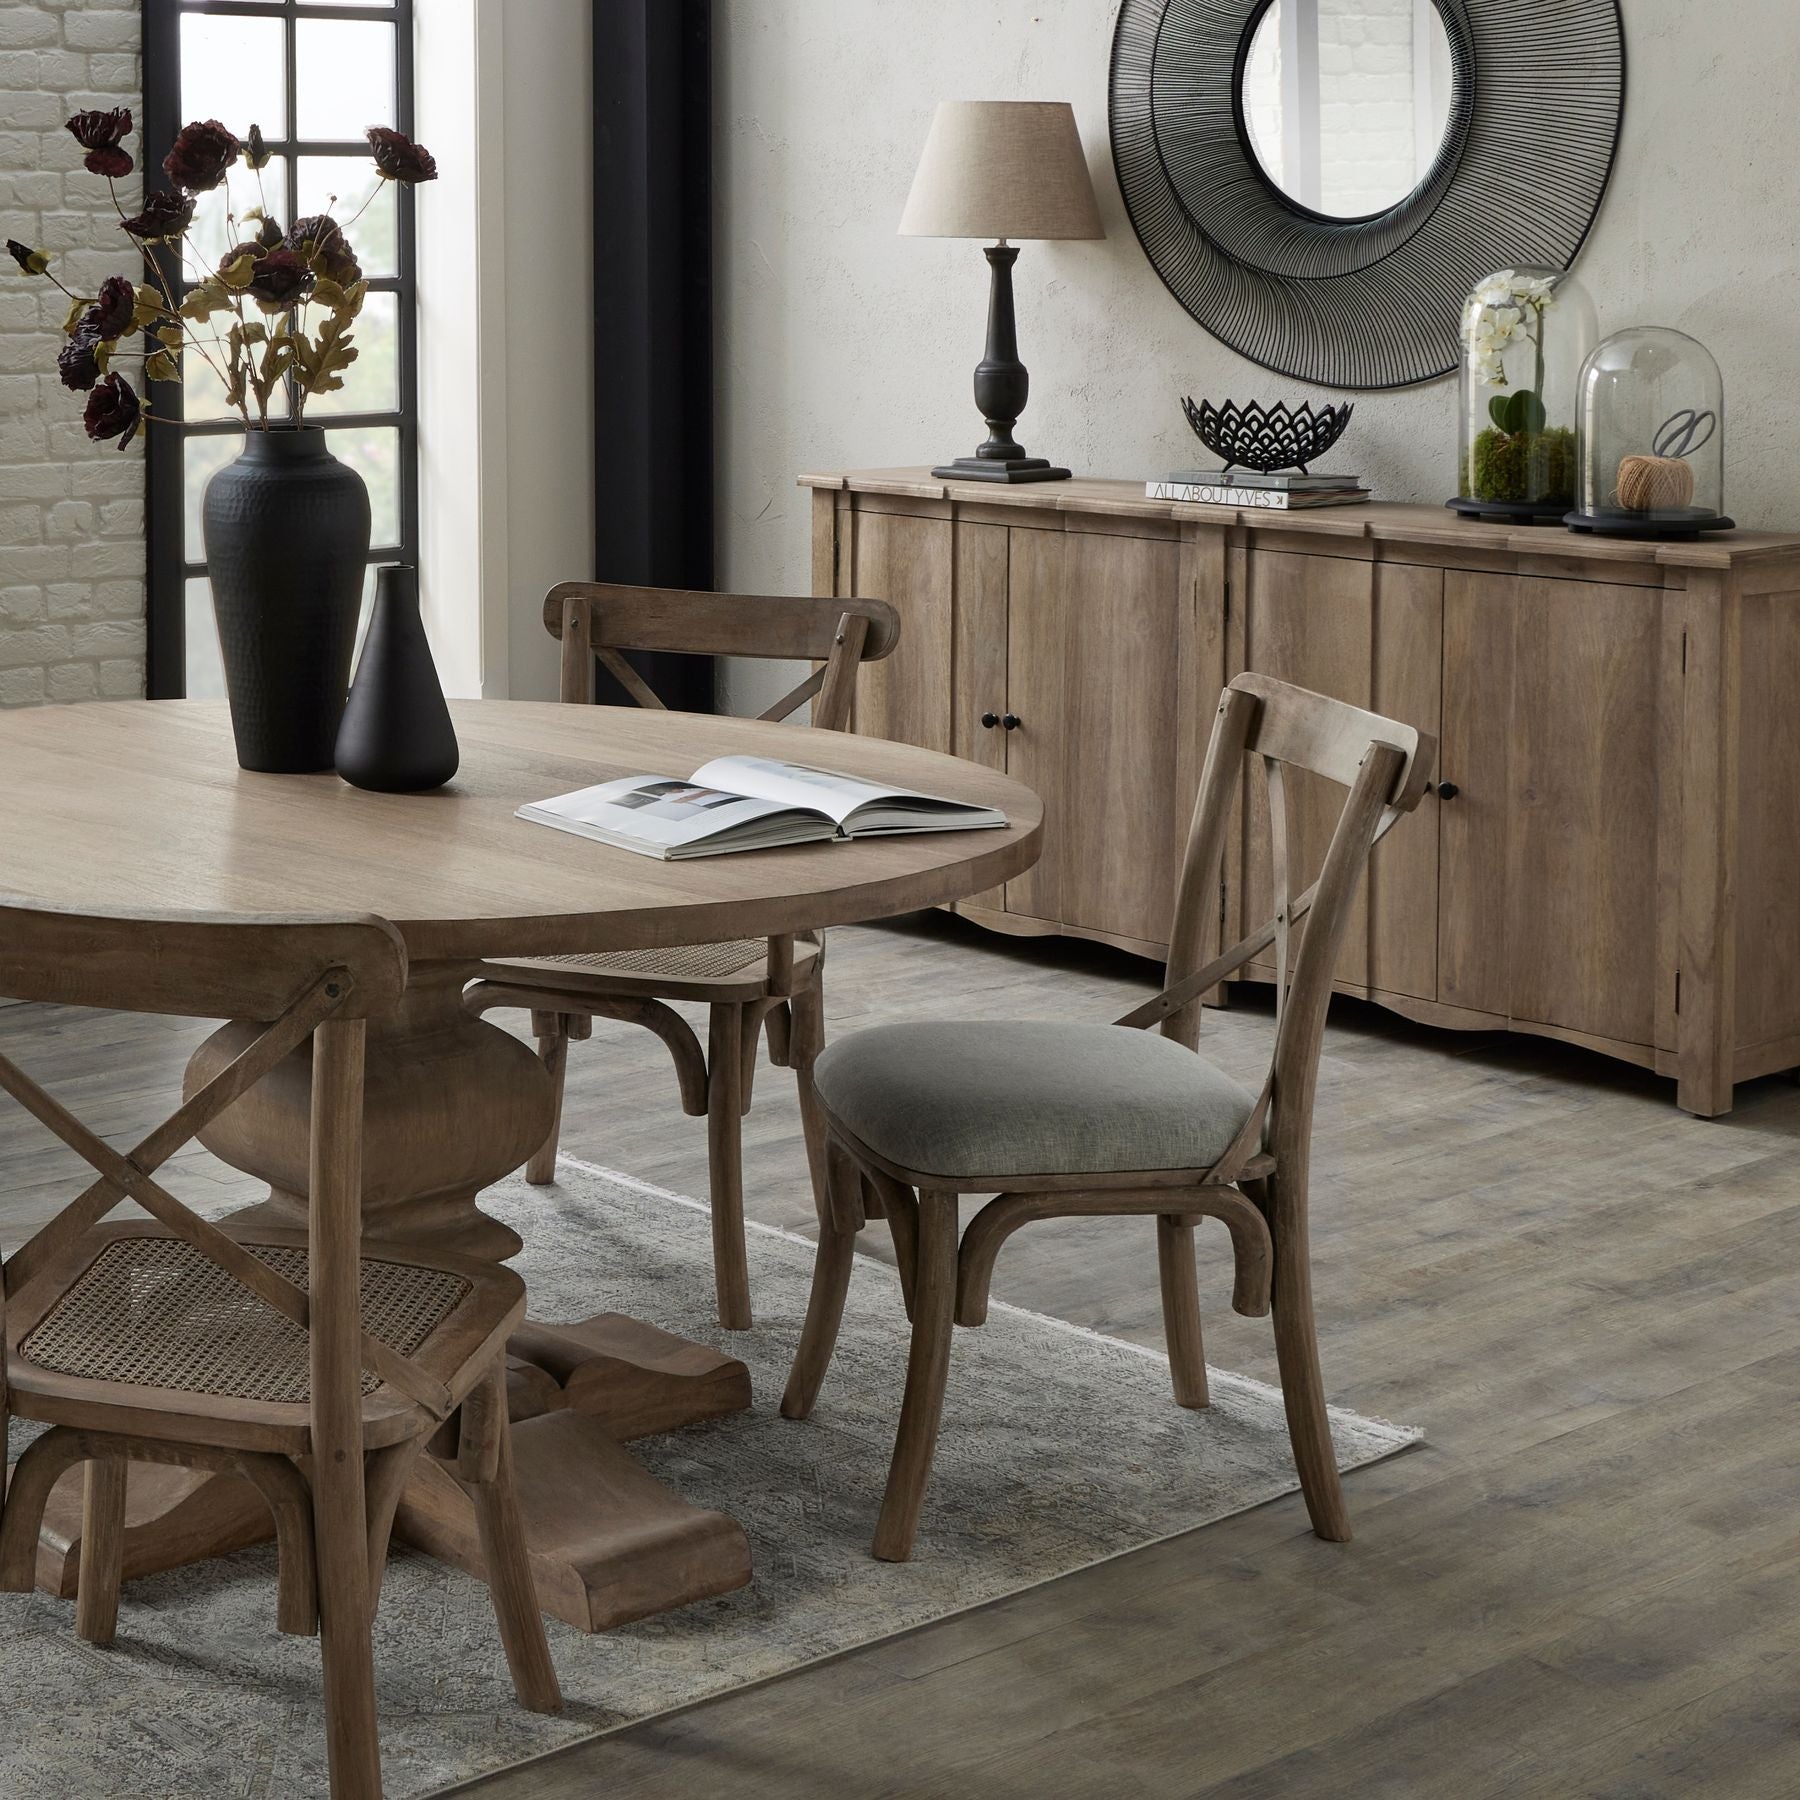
point(906, 561)
point(1552, 691)
point(1308, 620)
point(1372, 634)
point(1104, 681)
point(1125, 805)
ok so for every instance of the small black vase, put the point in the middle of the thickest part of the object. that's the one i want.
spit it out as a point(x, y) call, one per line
point(287, 538)
point(396, 737)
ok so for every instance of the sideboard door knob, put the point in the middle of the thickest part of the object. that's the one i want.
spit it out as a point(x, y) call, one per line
point(1011, 721)
point(989, 721)
point(1448, 790)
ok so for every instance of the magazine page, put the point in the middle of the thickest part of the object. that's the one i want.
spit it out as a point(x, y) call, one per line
point(818, 790)
point(658, 810)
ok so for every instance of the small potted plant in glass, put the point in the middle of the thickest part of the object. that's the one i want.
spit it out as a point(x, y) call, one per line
point(1525, 334)
point(286, 525)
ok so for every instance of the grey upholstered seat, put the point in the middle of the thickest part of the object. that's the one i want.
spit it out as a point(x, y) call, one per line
point(1022, 1097)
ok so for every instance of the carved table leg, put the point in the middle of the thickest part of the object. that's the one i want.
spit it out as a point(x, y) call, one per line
point(453, 1104)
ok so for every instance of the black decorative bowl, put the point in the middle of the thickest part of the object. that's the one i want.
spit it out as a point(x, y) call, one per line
point(1267, 438)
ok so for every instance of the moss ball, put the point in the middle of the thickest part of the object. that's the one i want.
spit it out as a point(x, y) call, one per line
point(1523, 467)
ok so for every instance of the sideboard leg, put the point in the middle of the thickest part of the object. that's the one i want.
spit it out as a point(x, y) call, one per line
point(1705, 1019)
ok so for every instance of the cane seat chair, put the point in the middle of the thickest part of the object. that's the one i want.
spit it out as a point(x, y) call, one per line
point(747, 984)
point(1095, 1120)
point(309, 1363)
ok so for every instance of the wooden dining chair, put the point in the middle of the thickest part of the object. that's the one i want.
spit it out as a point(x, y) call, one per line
point(310, 1364)
point(1058, 1120)
point(747, 984)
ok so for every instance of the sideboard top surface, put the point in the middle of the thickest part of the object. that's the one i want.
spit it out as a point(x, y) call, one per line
point(1377, 520)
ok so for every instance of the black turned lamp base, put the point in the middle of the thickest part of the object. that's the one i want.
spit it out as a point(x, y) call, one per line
point(993, 468)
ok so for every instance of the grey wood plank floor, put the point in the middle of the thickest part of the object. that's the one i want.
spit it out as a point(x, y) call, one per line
point(1586, 1583)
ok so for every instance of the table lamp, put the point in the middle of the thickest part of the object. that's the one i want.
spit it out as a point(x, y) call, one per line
point(1002, 169)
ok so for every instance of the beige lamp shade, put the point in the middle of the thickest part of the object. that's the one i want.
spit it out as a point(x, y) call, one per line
point(1002, 169)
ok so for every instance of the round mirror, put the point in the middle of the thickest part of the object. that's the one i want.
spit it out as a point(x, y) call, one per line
point(1346, 102)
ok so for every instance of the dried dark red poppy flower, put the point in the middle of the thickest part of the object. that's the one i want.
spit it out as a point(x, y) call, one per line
point(100, 134)
point(113, 411)
point(76, 362)
point(200, 155)
point(320, 240)
point(256, 154)
point(110, 315)
point(398, 157)
point(280, 279)
point(164, 216)
point(33, 262)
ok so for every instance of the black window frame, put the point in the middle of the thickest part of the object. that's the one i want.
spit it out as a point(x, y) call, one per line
point(169, 568)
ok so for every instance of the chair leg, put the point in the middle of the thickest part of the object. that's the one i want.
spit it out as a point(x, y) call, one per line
point(927, 1370)
point(102, 1549)
point(341, 1546)
point(805, 1039)
point(503, 1553)
point(1303, 1395)
point(824, 1313)
point(837, 1195)
point(553, 1051)
point(1181, 1309)
point(725, 1161)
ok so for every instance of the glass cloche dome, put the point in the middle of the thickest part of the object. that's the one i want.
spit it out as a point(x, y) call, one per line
point(1525, 335)
point(1652, 437)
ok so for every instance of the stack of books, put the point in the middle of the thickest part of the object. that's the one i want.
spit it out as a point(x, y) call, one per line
point(1286, 491)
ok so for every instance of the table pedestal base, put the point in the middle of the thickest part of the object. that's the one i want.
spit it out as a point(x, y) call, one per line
point(609, 1543)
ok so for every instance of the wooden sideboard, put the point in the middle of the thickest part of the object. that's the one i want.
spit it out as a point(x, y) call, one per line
point(1612, 853)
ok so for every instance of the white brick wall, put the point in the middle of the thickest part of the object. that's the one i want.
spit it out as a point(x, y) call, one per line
point(71, 512)
point(1366, 111)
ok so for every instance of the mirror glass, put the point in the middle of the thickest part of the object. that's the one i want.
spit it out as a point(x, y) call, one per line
point(1347, 101)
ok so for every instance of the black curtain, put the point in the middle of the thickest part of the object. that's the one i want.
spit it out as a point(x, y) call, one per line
point(653, 374)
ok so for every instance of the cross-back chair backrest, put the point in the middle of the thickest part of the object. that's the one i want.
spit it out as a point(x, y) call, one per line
point(601, 620)
point(1385, 765)
point(298, 979)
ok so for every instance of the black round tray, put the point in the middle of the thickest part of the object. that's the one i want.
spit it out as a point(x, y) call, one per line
point(1507, 512)
point(1671, 527)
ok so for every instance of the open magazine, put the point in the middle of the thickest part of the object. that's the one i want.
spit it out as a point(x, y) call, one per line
point(747, 803)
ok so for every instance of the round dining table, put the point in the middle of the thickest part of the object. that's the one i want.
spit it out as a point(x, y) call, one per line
point(140, 807)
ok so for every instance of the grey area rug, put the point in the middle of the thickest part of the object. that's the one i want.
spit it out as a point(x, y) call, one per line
point(1060, 1448)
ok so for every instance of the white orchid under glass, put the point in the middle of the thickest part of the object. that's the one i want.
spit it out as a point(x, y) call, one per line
point(1509, 309)
point(1520, 327)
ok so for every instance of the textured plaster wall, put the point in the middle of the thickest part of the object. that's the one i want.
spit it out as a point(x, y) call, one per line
point(843, 345)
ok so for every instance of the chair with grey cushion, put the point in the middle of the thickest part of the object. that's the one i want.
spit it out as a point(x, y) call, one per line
point(1067, 1119)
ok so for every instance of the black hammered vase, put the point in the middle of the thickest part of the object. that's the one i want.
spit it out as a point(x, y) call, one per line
point(396, 737)
point(287, 539)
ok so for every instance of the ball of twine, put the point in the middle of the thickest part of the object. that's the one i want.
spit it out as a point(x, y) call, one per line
point(1655, 483)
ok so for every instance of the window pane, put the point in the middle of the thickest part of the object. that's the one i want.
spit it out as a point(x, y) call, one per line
point(344, 73)
point(212, 234)
point(204, 397)
point(231, 70)
point(372, 382)
point(205, 667)
point(352, 179)
point(374, 453)
point(202, 456)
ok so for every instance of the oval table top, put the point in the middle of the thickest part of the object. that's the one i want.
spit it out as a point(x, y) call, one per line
point(129, 804)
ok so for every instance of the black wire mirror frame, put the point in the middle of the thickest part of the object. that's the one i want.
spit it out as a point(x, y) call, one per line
point(1537, 103)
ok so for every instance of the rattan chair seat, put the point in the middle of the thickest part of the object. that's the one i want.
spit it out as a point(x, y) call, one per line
point(153, 1312)
point(674, 962)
